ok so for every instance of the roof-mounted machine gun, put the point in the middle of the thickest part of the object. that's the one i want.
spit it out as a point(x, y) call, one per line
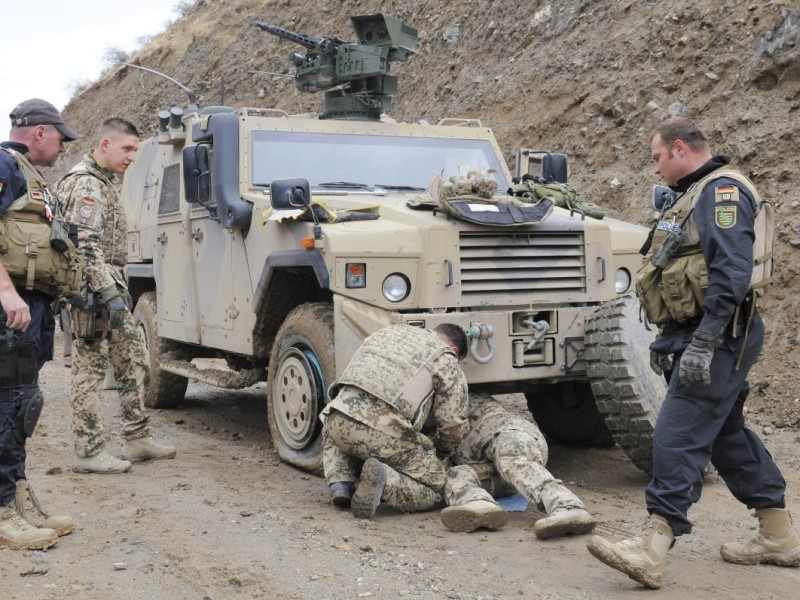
point(354, 77)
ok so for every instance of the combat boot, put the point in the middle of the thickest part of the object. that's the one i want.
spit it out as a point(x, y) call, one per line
point(643, 557)
point(776, 542)
point(367, 496)
point(468, 517)
point(146, 448)
point(342, 492)
point(102, 462)
point(566, 520)
point(566, 514)
point(16, 533)
point(30, 509)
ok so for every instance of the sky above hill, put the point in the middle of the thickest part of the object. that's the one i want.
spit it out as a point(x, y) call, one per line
point(51, 47)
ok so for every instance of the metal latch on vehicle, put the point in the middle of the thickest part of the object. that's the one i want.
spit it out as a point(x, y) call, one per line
point(477, 332)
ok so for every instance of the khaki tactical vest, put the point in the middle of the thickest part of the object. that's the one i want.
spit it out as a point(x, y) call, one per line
point(393, 364)
point(676, 293)
point(25, 234)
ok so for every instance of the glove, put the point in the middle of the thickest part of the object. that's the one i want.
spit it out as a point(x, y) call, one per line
point(660, 362)
point(116, 312)
point(696, 360)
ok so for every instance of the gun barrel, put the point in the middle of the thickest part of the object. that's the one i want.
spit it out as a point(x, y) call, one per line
point(298, 38)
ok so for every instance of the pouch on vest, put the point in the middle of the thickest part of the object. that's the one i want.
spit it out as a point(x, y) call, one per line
point(648, 278)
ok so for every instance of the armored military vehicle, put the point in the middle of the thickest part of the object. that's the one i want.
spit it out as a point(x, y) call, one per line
point(279, 242)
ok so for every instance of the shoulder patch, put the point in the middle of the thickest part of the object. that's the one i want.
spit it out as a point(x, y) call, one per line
point(725, 216)
point(727, 193)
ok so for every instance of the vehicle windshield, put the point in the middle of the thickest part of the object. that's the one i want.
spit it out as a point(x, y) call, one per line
point(367, 160)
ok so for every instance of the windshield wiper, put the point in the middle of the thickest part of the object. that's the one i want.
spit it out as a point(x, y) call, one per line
point(401, 187)
point(344, 184)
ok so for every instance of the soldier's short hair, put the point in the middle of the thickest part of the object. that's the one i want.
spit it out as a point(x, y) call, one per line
point(119, 125)
point(681, 128)
point(456, 335)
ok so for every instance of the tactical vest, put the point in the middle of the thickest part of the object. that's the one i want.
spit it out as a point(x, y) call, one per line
point(393, 365)
point(25, 234)
point(676, 293)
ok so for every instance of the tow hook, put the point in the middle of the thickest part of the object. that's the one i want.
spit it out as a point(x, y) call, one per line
point(477, 332)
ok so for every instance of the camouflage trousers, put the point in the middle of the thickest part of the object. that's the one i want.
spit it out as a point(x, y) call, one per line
point(124, 349)
point(519, 455)
point(415, 478)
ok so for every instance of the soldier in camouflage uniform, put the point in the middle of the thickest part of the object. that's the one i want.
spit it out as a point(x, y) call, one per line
point(93, 204)
point(400, 378)
point(505, 454)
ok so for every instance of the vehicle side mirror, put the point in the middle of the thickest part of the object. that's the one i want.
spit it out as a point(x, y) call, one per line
point(662, 196)
point(290, 193)
point(554, 167)
point(196, 174)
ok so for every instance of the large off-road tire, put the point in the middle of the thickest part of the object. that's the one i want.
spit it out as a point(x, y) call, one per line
point(301, 367)
point(162, 389)
point(627, 391)
point(567, 412)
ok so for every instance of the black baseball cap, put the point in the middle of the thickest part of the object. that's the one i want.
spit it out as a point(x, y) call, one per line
point(40, 112)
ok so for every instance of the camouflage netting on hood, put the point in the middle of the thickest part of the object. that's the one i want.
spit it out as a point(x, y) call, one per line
point(474, 199)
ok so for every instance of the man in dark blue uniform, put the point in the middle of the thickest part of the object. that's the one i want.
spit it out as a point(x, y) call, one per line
point(709, 260)
point(29, 281)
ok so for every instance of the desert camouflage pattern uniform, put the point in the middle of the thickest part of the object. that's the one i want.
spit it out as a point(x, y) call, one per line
point(359, 425)
point(503, 453)
point(93, 204)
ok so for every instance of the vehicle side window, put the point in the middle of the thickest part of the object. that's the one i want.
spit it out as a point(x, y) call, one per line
point(169, 201)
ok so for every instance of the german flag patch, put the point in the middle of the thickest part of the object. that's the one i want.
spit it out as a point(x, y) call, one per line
point(36, 195)
point(727, 193)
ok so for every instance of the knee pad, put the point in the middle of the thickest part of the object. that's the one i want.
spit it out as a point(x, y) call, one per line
point(28, 415)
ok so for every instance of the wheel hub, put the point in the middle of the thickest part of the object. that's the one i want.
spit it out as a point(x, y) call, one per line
point(296, 394)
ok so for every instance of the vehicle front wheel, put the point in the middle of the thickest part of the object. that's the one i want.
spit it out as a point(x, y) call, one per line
point(628, 393)
point(301, 367)
point(162, 389)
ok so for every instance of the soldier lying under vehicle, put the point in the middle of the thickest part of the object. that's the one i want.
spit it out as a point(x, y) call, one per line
point(501, 453)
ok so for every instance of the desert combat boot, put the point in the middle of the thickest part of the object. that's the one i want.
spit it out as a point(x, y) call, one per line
point(566, 514)
point(146, 448)
point(30, 509)
point(102, 462)
point(466, 518)
point(369, 491)
point(16, 533)
point(642, 558)
point(776, 542)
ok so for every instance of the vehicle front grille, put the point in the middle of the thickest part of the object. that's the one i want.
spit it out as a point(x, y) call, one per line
point(522, 264)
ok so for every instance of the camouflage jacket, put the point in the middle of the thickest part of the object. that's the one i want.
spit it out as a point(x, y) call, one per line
point(91, 202)
point(447, 411)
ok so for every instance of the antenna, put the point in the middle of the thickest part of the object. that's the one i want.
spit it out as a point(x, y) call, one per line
point(192, 98)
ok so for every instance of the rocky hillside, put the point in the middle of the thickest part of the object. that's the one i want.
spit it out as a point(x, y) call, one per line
point(590, 78)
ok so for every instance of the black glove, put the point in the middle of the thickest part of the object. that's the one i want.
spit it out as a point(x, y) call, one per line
point(116, 312)
point(660, 362)
point(696, 360)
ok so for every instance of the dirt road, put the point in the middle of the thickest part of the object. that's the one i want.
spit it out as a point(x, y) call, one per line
point(226, 519)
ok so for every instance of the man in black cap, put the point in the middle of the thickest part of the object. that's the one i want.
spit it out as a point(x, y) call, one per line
point(36, 267)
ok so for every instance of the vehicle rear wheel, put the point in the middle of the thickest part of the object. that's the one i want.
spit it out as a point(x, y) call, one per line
point(628, 393)
point(566, 412)
point(301, 367)
point(162, 389)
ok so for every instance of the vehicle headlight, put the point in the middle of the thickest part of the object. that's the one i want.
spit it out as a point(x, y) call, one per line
point(396, 287)
point(622, 281)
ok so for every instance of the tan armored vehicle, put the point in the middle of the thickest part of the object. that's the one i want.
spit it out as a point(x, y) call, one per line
point(229, 260)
